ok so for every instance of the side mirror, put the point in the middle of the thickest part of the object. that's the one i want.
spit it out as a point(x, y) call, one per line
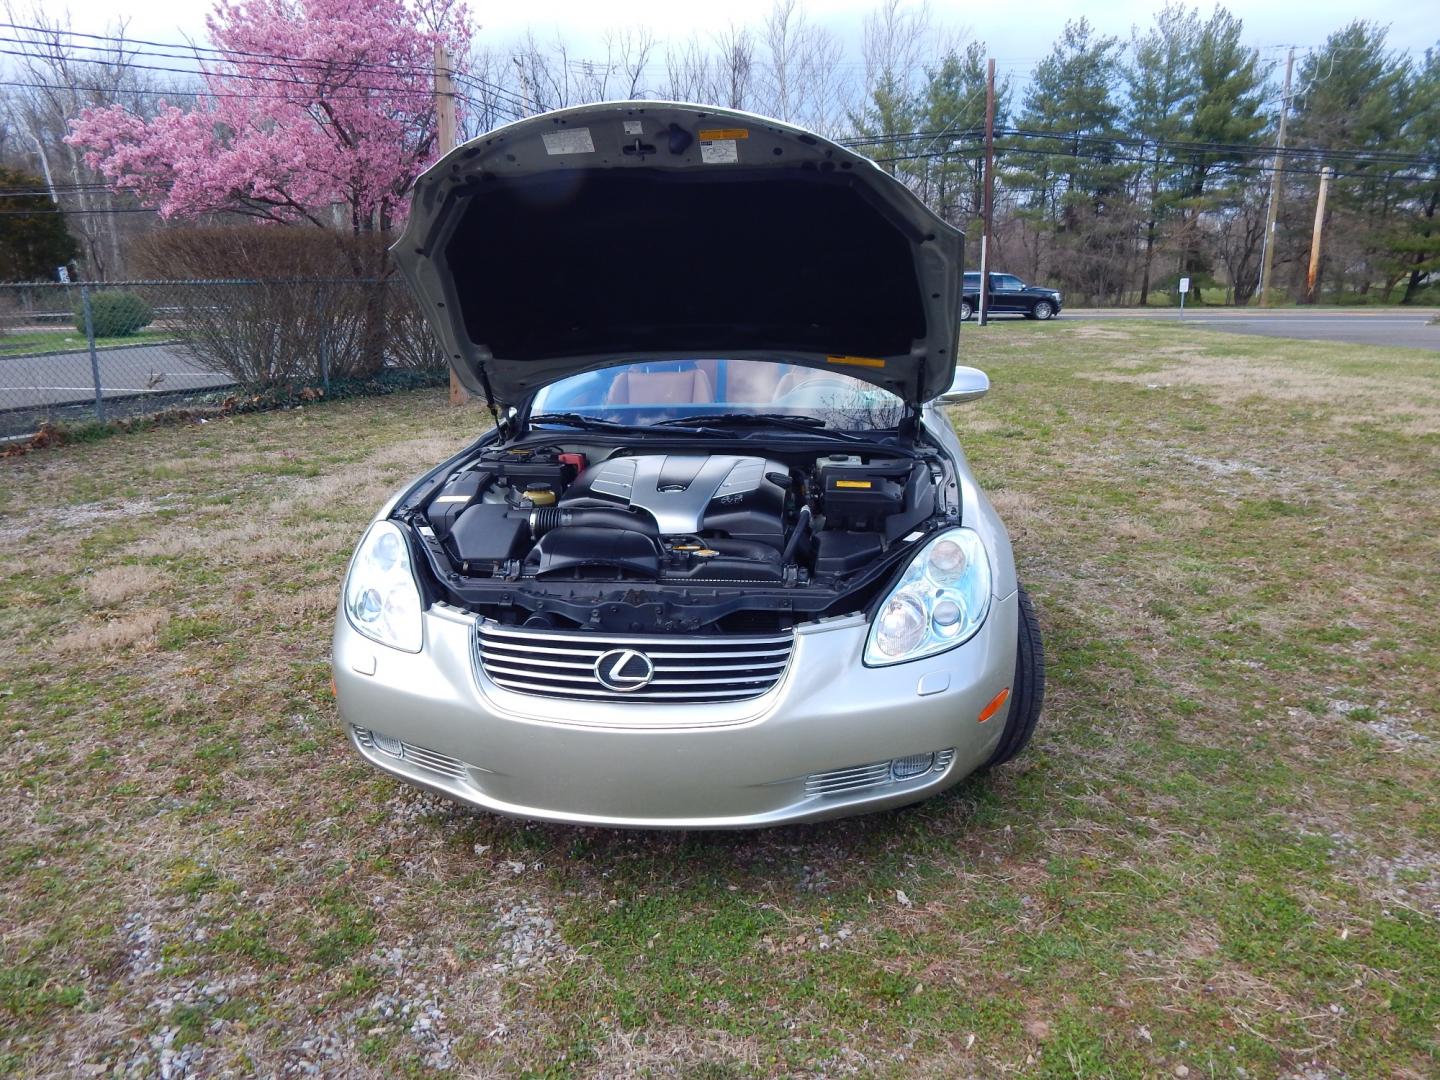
point(970, 384)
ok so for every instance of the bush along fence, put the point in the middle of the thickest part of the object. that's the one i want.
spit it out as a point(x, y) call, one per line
point(80, 352)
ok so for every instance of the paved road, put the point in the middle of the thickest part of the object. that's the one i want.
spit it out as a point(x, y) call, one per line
point(29, 382)
point(1363, 326)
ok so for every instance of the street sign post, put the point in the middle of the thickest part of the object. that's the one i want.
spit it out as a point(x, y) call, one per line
point(1184, 288)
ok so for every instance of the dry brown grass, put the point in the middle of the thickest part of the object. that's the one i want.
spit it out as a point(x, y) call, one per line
point(1411, 402)
point(100, 640)
point(112, 585)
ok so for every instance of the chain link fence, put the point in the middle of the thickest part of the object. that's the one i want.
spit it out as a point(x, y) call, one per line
point(106, 351)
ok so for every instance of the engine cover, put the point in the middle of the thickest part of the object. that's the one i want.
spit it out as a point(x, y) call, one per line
point(691, 494)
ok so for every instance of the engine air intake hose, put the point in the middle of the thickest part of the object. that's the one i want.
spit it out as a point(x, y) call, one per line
point(545, 518)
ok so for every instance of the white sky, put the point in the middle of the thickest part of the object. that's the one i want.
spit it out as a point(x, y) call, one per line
point(1017, 33)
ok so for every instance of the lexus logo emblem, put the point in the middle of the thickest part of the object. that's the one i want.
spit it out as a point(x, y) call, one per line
point(624, 670)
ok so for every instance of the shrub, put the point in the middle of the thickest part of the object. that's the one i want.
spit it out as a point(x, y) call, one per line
point(411, 344)
point(288, 306)
point(114, 314)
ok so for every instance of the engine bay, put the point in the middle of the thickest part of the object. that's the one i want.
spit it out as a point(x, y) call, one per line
point(569, 535)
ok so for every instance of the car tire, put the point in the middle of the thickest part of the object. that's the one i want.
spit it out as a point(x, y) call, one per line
point(1043, 310)
point(966, 311)
point(1027, 688)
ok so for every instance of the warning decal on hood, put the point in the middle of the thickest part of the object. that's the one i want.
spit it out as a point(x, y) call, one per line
point(719, 152)
point(568, 141)
point(715, 134)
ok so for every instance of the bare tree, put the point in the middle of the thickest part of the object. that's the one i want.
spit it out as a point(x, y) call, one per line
point(488, 92)
point(60, 75)
point(800, 81)
point(630, 49)
point(896, 36)
point(733, 76)
point(1236, 234)
point(689, 71)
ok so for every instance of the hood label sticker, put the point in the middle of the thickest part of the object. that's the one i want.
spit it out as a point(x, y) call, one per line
point(568, 141)
point(720, 134)
point(719, 152)
point(856, 361)
point(634, 127)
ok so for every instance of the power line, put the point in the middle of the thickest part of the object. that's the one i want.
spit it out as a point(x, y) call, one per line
point(1238, 149)
point(113, 41)
point(186, 51)
point(1257, 169)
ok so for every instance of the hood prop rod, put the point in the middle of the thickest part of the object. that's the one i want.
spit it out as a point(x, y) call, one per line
point(500, 422)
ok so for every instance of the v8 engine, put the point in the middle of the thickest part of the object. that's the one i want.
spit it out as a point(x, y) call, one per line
point(546, 514)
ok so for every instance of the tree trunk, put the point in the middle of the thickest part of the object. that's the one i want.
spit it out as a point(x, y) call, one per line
point(1149, 259)
point(1412, 287)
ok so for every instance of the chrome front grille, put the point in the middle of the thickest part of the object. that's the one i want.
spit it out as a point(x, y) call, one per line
point(860, 777)
point(686, 669)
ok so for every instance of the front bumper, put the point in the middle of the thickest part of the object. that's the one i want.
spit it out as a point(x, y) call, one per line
point(650, 765)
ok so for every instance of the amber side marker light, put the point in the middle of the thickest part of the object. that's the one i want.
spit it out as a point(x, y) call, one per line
point(994, 706)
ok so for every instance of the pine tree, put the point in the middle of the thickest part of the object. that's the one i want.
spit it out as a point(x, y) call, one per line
point(1350, 99)
point(1229, 82)
point(1160, 79)
point(953, 106)
point(1416, 245)
point(33, 236)
point(1066, 166)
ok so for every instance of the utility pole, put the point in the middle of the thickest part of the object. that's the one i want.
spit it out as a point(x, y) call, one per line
point(988, 237)
point(1312, 276)
point(445, 142)
point(1267, 258)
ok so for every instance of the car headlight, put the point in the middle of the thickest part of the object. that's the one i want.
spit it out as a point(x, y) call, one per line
point(938, 603)
point(382, 600)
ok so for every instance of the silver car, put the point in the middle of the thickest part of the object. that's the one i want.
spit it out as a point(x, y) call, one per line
point(720, 563)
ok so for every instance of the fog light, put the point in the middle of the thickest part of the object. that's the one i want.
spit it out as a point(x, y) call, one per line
point(393, 747)
point(907, 768)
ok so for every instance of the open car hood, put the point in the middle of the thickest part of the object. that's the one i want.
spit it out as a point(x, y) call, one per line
point(627, 231)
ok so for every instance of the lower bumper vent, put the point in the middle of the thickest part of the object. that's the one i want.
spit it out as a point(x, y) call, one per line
point(417, 755)
point(877, 774)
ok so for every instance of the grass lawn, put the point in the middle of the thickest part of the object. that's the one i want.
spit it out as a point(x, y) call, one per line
point(1221, 857)
point(41, 342)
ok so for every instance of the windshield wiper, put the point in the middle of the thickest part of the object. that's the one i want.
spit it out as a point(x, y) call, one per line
point(811, 425)
point(578, 420)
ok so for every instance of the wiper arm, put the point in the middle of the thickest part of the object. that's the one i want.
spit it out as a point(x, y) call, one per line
point(578, 420)
point(811, 425)
point(747, 419)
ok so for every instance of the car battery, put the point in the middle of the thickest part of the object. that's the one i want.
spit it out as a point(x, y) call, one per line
point(518, 467)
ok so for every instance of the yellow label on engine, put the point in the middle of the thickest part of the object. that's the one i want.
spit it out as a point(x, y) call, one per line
point(711, 134)
point(854, 483)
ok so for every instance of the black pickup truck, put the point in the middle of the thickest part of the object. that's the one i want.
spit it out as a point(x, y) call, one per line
point(1010, 296)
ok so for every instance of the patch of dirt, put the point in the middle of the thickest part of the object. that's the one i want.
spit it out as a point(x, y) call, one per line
point(1098, 333)
point(83, 517)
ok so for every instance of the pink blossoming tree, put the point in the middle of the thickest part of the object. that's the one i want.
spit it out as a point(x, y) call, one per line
point(318, 104)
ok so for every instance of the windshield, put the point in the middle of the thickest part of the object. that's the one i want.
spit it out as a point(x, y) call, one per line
point(650, 392)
